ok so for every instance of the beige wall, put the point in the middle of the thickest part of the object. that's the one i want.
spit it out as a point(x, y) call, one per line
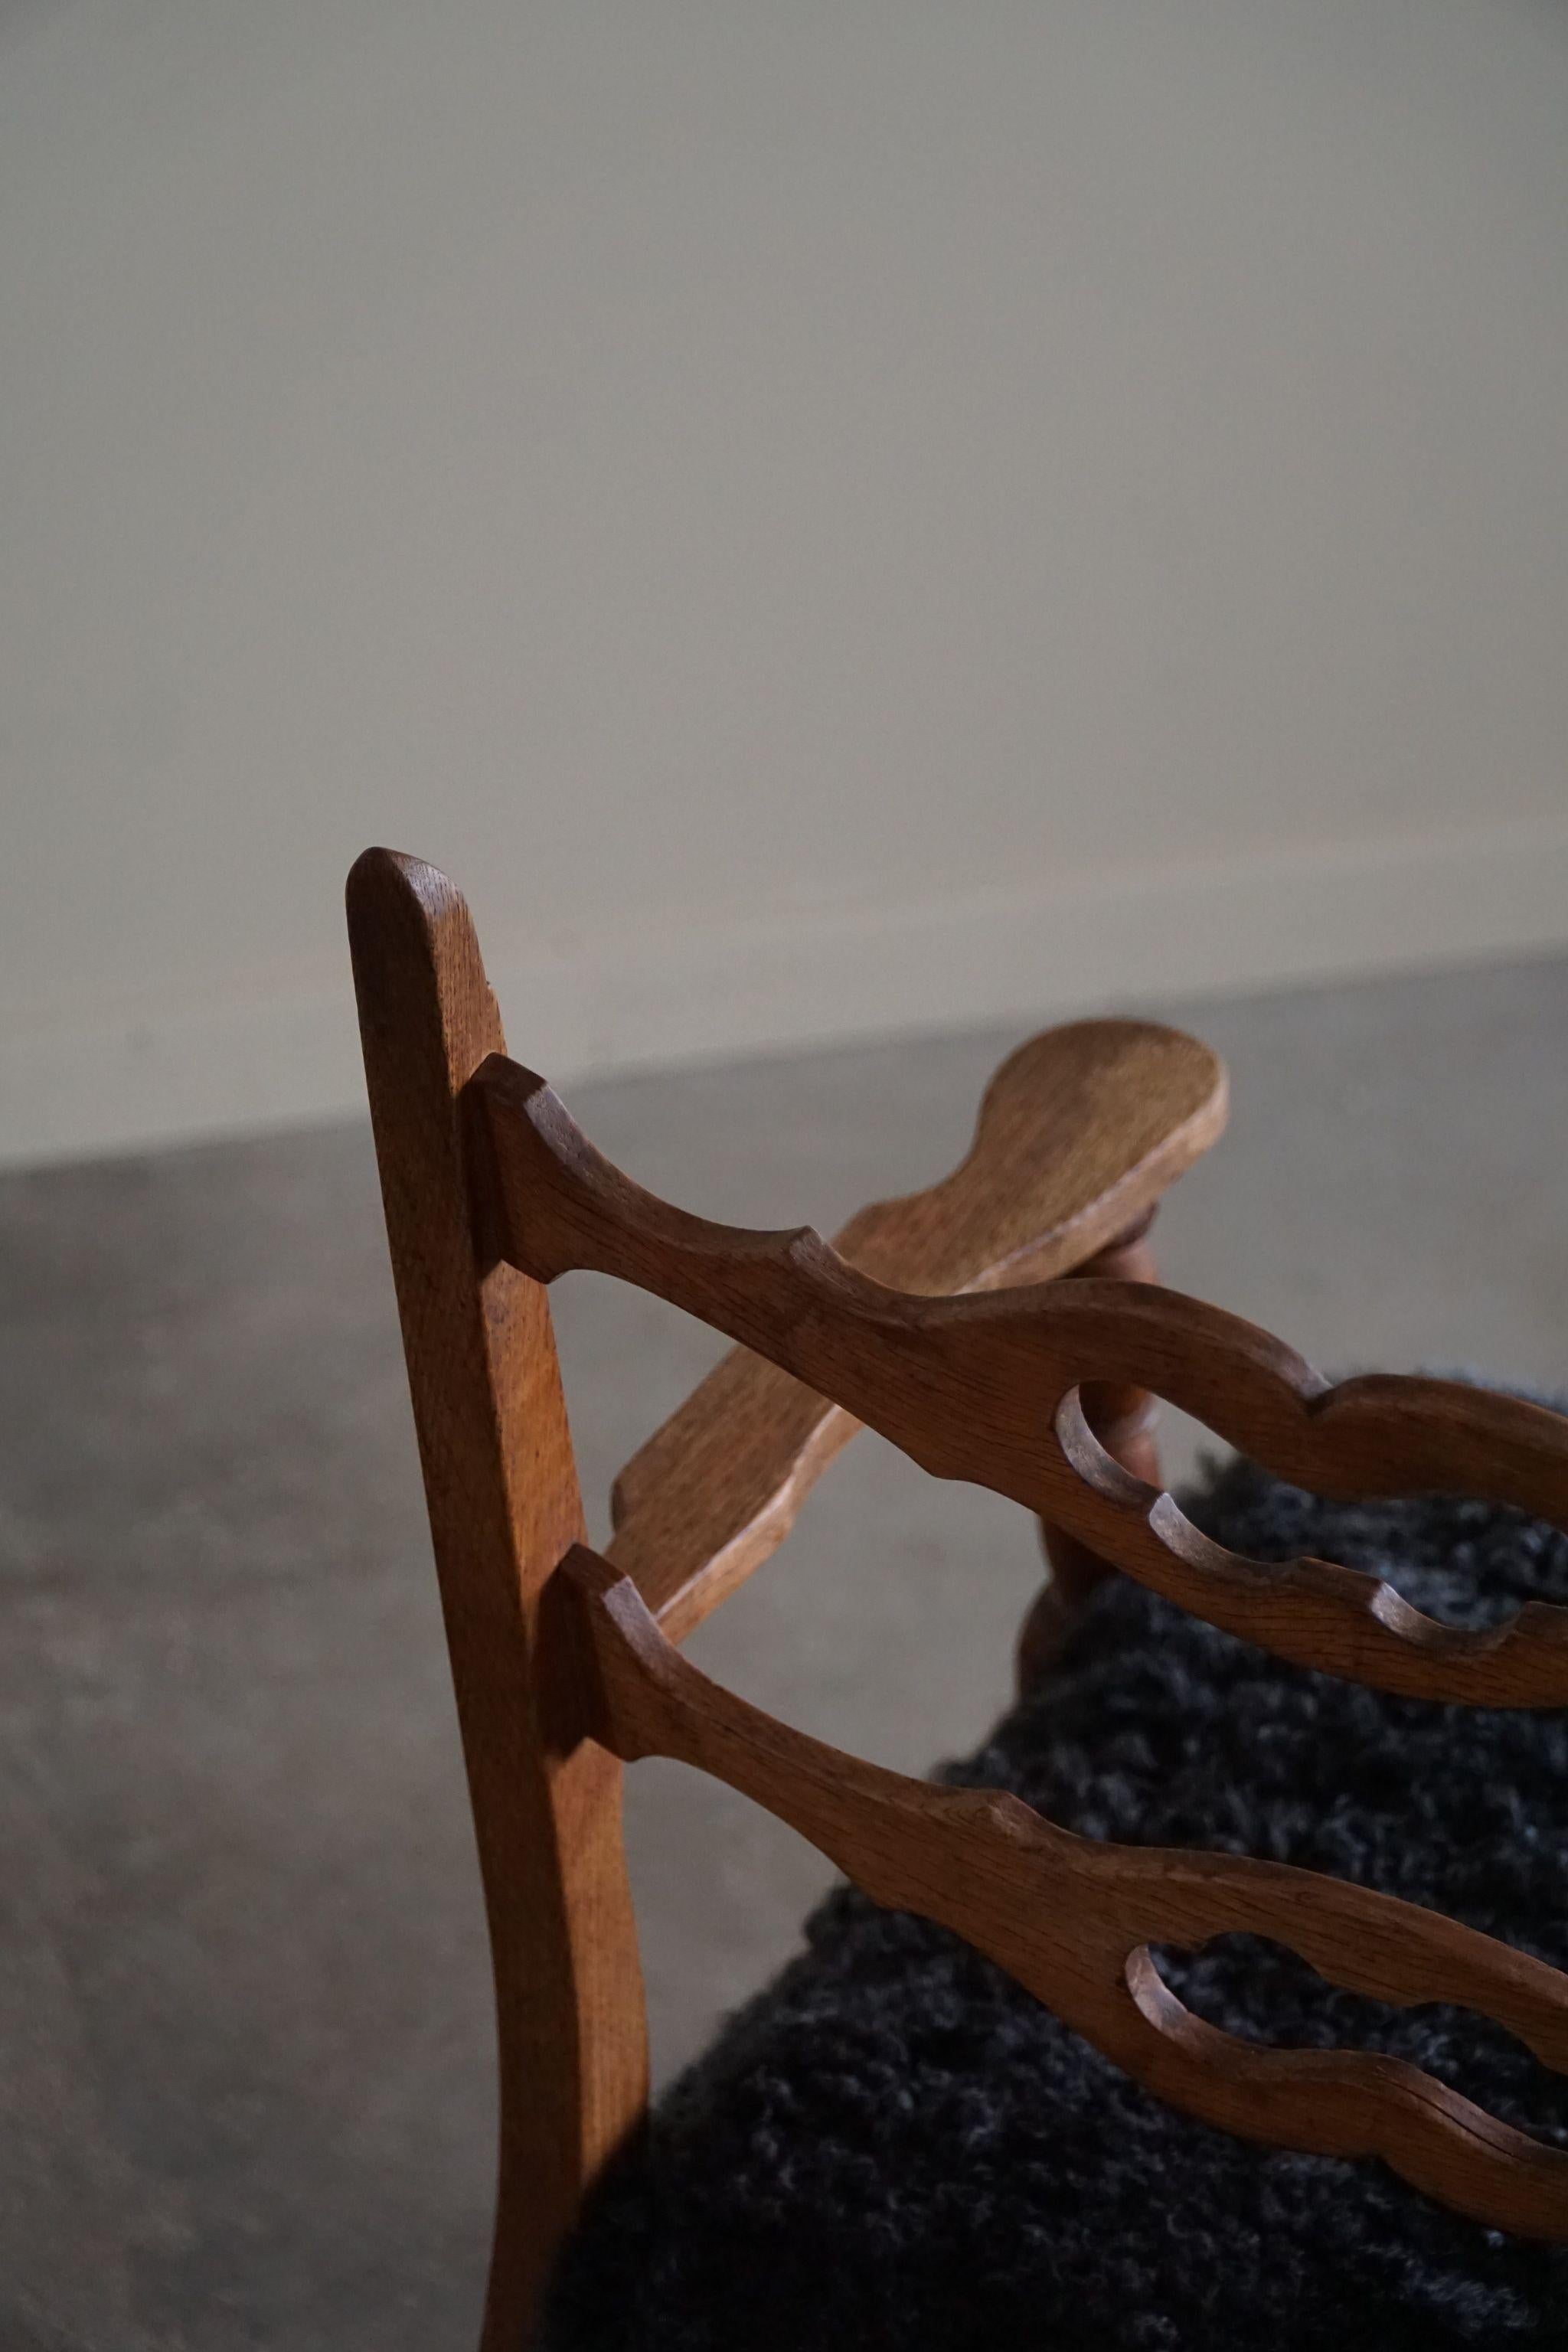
point(821, 517)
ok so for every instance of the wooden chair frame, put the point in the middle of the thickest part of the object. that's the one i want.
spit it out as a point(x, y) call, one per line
point(939, 1321)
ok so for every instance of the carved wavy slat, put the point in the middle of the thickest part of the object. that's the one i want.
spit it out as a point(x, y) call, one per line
point(1080, 1131)
point(984, 1388)
point(1071, 1920)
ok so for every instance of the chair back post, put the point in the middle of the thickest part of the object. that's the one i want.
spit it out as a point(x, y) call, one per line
point(502, 1486)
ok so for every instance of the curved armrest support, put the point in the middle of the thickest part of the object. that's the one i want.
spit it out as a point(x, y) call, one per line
point(1080, 1131)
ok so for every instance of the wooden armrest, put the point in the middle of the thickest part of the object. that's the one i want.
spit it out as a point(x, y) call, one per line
point(1079, 1132)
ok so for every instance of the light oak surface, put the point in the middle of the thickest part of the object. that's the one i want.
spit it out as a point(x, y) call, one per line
point(501, 1489)
point(1080, 1132)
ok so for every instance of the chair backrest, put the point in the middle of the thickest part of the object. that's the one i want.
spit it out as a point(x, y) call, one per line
point(941, 1322)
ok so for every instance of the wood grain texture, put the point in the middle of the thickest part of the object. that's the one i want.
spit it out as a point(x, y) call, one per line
point(1079, 1132)
point(1072, 1919)
point(1123, 1419)
point(984, 1388)
point(504, 1506)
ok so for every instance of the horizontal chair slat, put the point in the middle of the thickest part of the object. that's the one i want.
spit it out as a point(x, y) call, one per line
point(985, 1389)
point(1071, 1920)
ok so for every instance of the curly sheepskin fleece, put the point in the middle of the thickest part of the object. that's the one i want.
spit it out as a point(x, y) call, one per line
point(896, 2147)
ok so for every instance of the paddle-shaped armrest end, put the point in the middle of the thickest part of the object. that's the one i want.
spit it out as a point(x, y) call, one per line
point(1079, 1132)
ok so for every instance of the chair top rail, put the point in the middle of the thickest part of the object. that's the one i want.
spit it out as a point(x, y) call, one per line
point(985, 1389)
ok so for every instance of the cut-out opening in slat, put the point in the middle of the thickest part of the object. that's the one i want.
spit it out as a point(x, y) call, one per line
point(1467, 1565)
point(1261, 1992)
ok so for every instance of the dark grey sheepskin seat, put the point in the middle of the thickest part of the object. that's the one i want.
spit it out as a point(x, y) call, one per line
point(895, 2147)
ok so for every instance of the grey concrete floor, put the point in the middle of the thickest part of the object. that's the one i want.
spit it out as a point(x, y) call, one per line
point(245, 2093)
